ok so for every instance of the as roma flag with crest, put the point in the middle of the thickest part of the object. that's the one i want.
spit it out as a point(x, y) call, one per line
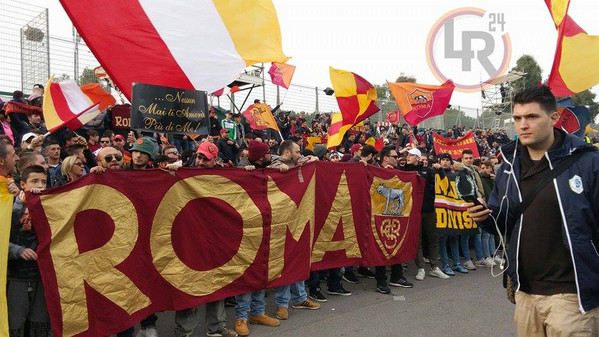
point(260, 117)
point(418, 102)
point(396, 201)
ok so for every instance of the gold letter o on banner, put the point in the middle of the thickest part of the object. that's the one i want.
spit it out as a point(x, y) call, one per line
point(166, 261)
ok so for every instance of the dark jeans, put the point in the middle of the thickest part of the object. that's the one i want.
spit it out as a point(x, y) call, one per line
point(381, 273)
point(333, 282)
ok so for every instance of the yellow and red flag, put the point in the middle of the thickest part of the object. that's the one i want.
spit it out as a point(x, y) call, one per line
point(312, 141)
point(357, 101)
point(65, 103)
point(6, 199)
point(260, 117)
point(418, 102)
point(576, 56)
point(281, 74)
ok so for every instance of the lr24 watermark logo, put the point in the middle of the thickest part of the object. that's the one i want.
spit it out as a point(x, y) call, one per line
point(469, 46)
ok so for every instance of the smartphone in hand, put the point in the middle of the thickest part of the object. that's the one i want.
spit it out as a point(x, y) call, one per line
point(472, 199)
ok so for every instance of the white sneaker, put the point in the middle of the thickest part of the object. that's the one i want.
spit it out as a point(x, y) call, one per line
point(469, 265)
point(498, 260)
point(148, 332)
point(438, 273)
point(489, 262)
point(480, 263)
point(421, 274)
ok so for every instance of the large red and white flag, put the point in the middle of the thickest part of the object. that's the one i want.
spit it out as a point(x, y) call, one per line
point(65, 103)
point(187, 44)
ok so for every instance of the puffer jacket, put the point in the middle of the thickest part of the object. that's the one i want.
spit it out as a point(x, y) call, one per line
point(578, 196)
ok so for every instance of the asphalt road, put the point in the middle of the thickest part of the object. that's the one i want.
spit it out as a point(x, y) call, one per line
point(465, 305)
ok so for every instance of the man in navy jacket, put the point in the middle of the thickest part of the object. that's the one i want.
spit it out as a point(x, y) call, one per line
point(552, 257)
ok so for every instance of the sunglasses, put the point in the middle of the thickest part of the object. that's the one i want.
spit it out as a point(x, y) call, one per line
point(78, 164)
point(105, 141)
point(110, 157)
point(173, 152)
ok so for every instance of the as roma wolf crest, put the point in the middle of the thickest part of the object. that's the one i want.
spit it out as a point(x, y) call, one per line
point(421, 101)
point(391, 208)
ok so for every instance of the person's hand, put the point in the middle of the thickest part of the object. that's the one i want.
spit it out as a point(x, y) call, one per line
point(163, 139)
point(37, 141)
point(13, 188)
point(389, 167)
point(283, 168)
point(436, 166)
point(130, 137)
point(36, 190)
point(81, 141)
point(29, 254)
point(478, 213)
point(230, 142)
point(173, 167)
point(97, 170)
point(311, 158)
point(249, 167)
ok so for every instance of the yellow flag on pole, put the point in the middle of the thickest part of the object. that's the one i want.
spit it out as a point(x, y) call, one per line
point(6, 200)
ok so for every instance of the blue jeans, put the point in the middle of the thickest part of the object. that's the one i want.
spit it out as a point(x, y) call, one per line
point(453, 247)
point(294, 291)
point(488, 244)
point(465, 244)
point(253, 303)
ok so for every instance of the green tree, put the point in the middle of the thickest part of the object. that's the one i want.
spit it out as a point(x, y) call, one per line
point(88, 76)
point(453, 116)
point(528, 65)
point(587, 98)
point(405, 78)
point(62, 77)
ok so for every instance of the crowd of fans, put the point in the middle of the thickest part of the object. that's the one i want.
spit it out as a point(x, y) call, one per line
point(33, 162)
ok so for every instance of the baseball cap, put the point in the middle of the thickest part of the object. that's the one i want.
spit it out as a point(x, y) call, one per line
point(415, 152)
point(224, 131)
point(119, 137)
point(27, 136)
point(355, 148)
point(209, 150)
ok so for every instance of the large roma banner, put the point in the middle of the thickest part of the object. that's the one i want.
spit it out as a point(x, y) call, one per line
point(116, 247)
point(455, 146)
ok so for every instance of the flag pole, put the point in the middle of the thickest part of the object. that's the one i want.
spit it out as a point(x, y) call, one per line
point(286, 92)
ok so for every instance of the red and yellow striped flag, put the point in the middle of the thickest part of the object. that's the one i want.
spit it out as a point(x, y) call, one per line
point(576, 56)
point(357, 101)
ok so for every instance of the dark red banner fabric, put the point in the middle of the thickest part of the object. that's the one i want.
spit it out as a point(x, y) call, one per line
point(117, 247)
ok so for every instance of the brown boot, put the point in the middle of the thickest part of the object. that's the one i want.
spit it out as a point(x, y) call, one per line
point(264, 320)
point(282, 313)
point(241, 327)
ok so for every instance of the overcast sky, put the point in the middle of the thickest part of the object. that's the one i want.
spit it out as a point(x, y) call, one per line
point(379, 39)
